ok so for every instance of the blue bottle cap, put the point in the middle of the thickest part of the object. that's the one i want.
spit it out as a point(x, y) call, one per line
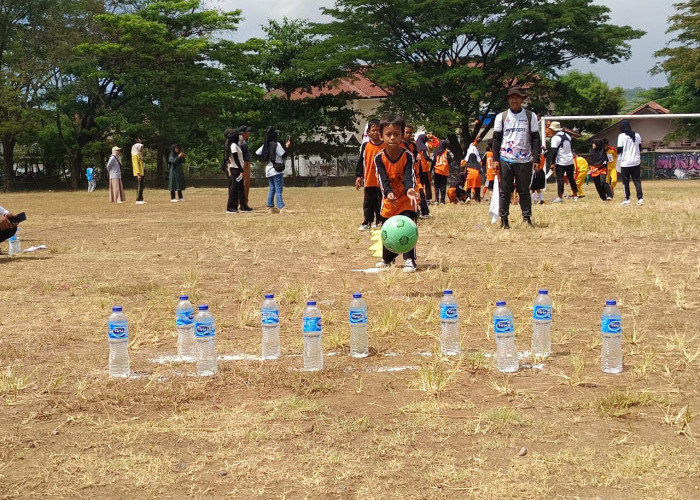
point(117, 309)
point(500, 303)
point(611, 302)
point(356, 295)
point(269, 295)
point(543, 292)
point(184, 297)
point(311, 303)
point(447, 292)
point(203, 307)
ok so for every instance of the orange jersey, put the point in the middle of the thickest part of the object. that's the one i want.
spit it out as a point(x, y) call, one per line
point(442, 164)
point(423, 161)
point(396, 176)
point(490, 171)
point(365, 164)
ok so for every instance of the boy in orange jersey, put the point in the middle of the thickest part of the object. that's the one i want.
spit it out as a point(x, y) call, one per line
point(367, 172)
point(412, 147)
point(397, 181)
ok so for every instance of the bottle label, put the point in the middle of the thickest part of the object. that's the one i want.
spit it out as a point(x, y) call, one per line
point(312, 325)
point(542, 312)
point(270, 317)
point(204, 330)
point(611, 325)
point(448, 311)
point(357, 317)
point(184, 318)
point(118, 332)
point(502, 326)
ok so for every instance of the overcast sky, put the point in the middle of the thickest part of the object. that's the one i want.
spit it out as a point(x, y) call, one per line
point(648, 15)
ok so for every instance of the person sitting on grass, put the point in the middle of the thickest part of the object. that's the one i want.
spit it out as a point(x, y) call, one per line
point(7, 227)
point(397, 179)
point(456, 192)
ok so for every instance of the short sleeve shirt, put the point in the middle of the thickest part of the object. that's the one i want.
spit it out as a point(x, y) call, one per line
point(630, 156)
point(564, 155)
point(515, 147)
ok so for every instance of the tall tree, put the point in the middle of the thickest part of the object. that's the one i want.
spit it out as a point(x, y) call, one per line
point(449, 61)
point(682, 65)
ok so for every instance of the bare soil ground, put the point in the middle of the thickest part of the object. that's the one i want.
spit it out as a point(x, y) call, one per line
point(402, 423)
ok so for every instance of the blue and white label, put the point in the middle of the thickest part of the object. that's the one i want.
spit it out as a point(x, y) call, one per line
point(502, 326)
point(204, 330)
point(270, 317)
point(118, 331)
point(611, 326)
point(542, 312)
point(357, 316)
point(184, 318)
point(448, 311)
point(312, 325)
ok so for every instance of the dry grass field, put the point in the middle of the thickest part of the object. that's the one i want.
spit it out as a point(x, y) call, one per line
point(402, 423)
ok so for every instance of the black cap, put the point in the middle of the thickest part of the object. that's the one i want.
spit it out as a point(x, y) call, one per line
point(516, 90)
point(244, 129)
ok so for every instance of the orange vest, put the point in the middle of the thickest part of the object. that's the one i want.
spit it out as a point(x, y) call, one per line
point(490, 171)
point(370, 171)
point(395, 172)
point(442, 165)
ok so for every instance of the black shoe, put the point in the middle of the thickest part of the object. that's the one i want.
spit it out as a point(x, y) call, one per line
point(246, 209)
point(504, 223)
point(527, 221)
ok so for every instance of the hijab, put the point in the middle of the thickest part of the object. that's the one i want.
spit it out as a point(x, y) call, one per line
point(472, 162)
point(598, 155)
point(626, 128)
point(442, 147)
point(421, 143)
point(269, 152)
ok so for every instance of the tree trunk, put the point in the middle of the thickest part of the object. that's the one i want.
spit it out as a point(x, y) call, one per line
point(76, 168)
point(161, 160)
point(455, 147)
point(8, 153)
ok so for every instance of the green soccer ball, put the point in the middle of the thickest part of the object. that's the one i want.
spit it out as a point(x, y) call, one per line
point(399, 234)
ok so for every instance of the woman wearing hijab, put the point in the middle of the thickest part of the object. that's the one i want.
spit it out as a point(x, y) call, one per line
point(176, 177)
point(441, 166)
point(423, 164)
point(234, 172)
point(473, 184)
point(273, 154)
point(629, 159)
point(598, 169)
point(456, 192)
point(114, 167)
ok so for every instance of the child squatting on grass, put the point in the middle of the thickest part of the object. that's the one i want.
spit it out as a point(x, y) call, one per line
point(397, 180)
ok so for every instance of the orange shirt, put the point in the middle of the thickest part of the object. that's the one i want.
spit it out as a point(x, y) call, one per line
point(367, 153)
point(396, 176)
point(490, 171)
point(442, 165)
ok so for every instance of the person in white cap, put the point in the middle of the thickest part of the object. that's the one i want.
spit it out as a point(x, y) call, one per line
point(562, 157)
point(114, 167)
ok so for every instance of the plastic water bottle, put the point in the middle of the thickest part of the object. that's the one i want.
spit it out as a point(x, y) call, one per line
point(205, 342)
point(449, 325)
point(118, 338)
point(313, 348)
point(357, 317)
point(15, 245)
point(270, 321)
point(184, 323)
point(506, 353)
point(611, 330)
point(541, 344)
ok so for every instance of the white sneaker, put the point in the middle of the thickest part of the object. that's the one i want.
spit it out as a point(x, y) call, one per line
point(557, 200)
point(382, 264)
point(181, 199)
point(625, 203)
point(575, 198)
point(409, 266)
point(362, 227)
point(140, 202)
point(640, 201)
point(173, 200)
point(608, 198)
point(375, 226)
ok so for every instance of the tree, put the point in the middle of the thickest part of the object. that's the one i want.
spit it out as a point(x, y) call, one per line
point(682, 65)
point(577, 93)
point(448, 62)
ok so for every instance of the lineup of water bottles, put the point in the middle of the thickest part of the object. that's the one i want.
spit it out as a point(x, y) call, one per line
point(196, 334)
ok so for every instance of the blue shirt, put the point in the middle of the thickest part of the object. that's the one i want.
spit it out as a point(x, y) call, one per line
point(88, 173)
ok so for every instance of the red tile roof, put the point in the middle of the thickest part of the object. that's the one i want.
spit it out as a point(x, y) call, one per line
point(357, 84)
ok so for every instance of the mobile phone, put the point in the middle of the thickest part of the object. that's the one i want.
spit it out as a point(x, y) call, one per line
point(18, 218)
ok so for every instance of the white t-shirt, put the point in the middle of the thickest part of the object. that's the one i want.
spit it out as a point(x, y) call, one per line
point(630, 156)
point(269, 169)
point(564, 155)
point(472, 150)
point(137, 149)
point(237, 151)
point(3, 211)
point(515, 146)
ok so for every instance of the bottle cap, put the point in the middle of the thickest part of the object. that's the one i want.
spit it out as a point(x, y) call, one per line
point(500, 303)
point(117, 309)
point(311, 303)
point(447, 292)
point(611, 302)
point(203, 307)
point(269, 295)
point(356, 295)
point(543, 292)
point(184, 297)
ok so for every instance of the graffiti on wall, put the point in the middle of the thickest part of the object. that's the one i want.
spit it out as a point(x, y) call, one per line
point(678, 165)
point(339, 167)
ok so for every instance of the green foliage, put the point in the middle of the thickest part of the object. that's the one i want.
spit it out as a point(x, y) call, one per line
point(448, 62)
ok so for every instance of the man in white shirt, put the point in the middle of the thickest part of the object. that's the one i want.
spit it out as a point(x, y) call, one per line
point(563, 160)
point(7, 227)
point(516, 147)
